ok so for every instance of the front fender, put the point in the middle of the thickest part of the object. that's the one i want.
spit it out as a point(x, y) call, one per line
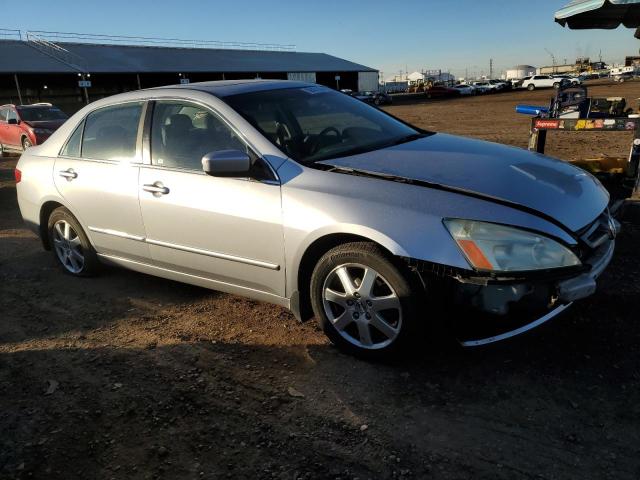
point(403, 218)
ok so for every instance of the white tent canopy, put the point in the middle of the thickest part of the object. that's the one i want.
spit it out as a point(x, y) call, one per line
point(607, 14)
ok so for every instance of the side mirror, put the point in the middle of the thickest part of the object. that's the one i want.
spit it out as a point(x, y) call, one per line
point(12, 121)
point(226, 163)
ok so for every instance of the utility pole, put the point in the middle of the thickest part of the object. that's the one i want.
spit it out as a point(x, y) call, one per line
point(490, 68)
point(553, 60)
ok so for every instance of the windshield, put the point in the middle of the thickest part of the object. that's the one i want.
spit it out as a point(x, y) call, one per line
point(316, 123)
point(41, 114)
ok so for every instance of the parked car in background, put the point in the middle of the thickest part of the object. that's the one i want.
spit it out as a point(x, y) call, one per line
point(538, 81)
point(375, 98)
point(566, 78)
point(465, 89)
point(295, 194)
point(623, 77)
point(498, 85)
point(22, 126)
point(589, 76)
point(441, 91)
point(484, 86)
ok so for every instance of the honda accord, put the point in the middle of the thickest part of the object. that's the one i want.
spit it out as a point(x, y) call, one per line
point(299, 195)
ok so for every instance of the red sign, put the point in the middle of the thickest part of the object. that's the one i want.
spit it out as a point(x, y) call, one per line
point(546, 124)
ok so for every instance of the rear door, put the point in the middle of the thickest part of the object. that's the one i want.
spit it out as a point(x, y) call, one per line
point(228, 230)
point(97, 174)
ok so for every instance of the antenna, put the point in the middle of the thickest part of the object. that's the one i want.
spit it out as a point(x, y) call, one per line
point(553, 59)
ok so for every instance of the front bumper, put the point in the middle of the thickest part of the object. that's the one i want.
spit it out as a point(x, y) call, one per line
point(512, 308)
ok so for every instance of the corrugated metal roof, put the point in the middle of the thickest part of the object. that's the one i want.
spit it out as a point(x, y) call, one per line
point(21, 57)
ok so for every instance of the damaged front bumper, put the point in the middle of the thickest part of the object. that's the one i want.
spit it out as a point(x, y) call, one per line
point(492, 309)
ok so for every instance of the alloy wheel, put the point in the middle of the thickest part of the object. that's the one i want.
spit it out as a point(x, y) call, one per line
point(68, 247)
point(362, 306)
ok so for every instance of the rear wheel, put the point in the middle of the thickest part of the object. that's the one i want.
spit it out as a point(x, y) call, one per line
point(70, 245)
point(365, 303)
point(1, 150)
point(26, 143)
point(556, 85)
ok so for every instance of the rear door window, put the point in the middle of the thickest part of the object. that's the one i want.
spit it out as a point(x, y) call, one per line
point(111, 133)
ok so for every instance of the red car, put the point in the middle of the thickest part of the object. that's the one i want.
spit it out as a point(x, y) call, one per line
point(440, 91)
point(24, 125)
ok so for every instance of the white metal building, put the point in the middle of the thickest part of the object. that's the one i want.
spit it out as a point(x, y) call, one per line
point(520, 71)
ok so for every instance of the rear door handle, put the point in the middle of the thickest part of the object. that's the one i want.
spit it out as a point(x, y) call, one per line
point(69, 174)
point(156, 188)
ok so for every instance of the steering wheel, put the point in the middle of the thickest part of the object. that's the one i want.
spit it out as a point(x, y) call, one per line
point(316, 143)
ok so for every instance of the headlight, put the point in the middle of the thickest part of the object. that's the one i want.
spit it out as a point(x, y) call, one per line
point(488, 246)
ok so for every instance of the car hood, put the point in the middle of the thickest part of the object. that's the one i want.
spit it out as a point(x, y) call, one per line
point(50, 124)
point(524, 179)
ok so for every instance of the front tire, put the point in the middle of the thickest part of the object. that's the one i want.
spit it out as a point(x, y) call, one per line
point(70, 245)
point(26, 143)
point(531, 87)
point(364, 302)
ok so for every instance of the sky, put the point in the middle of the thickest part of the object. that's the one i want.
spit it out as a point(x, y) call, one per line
point(451, 35)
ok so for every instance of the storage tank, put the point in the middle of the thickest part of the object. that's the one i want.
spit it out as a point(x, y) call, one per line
point(520, 71)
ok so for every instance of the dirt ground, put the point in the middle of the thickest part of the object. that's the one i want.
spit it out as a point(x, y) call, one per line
point(126, 376)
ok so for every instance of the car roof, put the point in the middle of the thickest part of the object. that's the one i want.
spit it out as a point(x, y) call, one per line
point(225, 88)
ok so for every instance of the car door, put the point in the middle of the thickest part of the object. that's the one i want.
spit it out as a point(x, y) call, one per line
point(97, 175)
point(228, 230)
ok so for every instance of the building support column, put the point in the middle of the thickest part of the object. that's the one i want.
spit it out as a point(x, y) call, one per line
point(139, 84)
point(15, 77)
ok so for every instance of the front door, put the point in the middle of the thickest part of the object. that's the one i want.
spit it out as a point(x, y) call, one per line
point(228, 230)
point(97, 174)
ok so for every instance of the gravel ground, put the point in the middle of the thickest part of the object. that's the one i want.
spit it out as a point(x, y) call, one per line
point(126, 376)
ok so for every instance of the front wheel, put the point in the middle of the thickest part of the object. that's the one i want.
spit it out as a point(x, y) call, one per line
point(70, 245)
point(364, 302)
point(556, 85)
point(26, 143)
point(531, 87)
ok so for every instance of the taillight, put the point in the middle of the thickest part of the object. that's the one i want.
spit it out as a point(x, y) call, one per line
point(18, 175)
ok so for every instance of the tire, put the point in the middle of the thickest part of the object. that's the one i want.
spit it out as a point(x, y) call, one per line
point(2, 150)
point(70, 245)
point(364, 302)
point(556, 86)
point(26, 143)
point(531, 87)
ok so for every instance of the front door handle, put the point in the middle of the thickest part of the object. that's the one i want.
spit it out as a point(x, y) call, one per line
point(157, 188)
point(69, 174)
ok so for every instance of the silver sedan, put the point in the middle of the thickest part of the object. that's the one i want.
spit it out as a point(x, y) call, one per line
point(298, 195)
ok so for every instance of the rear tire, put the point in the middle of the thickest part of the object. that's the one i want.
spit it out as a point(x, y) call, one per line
point(556, 85)
point(364, 302)
point(70, 245)
point(26, 143)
